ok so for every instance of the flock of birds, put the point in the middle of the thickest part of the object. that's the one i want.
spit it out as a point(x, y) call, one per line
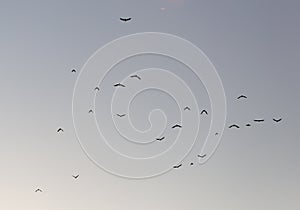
point(60, 130)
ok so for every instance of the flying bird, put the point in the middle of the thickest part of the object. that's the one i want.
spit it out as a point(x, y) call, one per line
point(176, 126)
point(97, 88)
point(160, 139)
point(178, 166)
point(191, 164)
point(125, 19)
point(259, 120)
point(216, 134)
point(76, 176)
point(119, 85)
point(38, 190)
point(136, 76)
point(187, 108)
point(234, 126)
point(248, 125)
point(202, 156)
point(277, 120)
point(204, 111)
point(90, 111)
point(242, 96)
point(60, 130)
point(73, 71)
point(121, 115)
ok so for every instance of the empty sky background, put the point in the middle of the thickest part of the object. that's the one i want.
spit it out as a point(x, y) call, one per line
point(254, 46)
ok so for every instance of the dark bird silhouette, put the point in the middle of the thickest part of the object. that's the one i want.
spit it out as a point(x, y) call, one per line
point(136, 76)
point(277, 120)
point(97, 88)
point(160, 139)
point(121, 115)
point(216, 134)
point(90, 111)
point(75, 176)
point(242, 96)
point(234, 126)
point(178, 166)
point(187, 108)
point(176, 126)
point(248, 125)
point(204, 111)
point(125, 19)
point(119, 85)
point(259, 120)
point(191, 164)
point(73, 71)
point(38, 190)
point(202, 156)
point(60, 130)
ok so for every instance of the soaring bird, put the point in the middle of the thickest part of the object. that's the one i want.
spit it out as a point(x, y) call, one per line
point(121, 115)
point(160, 139)
point(234, 126)
point(277, 120)
point(73, 71)
point(191, 164)
point(187, 108)
point(97, 88)
point(258, 120)
point(202, 156)
point(38, 190)
point(75, 176)
point(125, 19)
point(178, 166)
point(204, 111)
point(248, 125)
point(90, 111)
point(119, 85)
point(176, 126)
point(242, 96)
point(136, 76)
point(60, 130)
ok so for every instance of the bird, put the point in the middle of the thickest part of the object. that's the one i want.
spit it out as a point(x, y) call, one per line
point(234, 126)
point(187, 108)
point(60, 130)
point(38, 190)
point(90, 111)
point(204, 111)
point(160, 139)
point(216, 134)
point(242, 96)
point(202, 156)
point(136, 76)
point(121, 115)
point(258, 120)
point(75, 176)
point(125, 19)
point(248, 125)
point(277, 120)
point(178, 166)
point(97, 88)
point(73, 71)
point(191, 164)
point(119, 85)
point(176, 126)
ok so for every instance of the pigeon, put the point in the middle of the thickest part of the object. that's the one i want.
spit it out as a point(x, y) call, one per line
point(259, 120)
point(75, 176)
point(121, 115)
point(90, 111)
point(136, 76)
point(38, 190)
point(277, 120)
point(187, 108)
point(178, 166)
point(191, 164)
point(248, 125)
point(234, 126)
point(160, 139)
point(125, 19)
point(73, 71)
point(242, 96)
point(97, 88)
point(177, 126)
point(119, 85)
point(202, 156)
point(60, 130)
point(204, 111)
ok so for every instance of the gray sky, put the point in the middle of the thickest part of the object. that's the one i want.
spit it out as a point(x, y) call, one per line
point(254, 46)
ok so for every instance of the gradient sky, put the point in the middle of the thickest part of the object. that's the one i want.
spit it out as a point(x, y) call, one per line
point(254, 46)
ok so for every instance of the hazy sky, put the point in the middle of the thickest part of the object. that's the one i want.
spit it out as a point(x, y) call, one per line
point(254, 46)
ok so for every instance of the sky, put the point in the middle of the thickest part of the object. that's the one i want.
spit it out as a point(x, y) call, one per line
point(253, 45)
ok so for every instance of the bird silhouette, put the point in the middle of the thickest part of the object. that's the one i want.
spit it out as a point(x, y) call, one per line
point(187, 108)
point(121, 115)
point(248, 125)
point(202, 156)
point(258, 120)
point(160, 139)
point(90, 111)
point(125, 19)
point(38, 190)
point(119, 85)
point(178, 166)
point(242, 96)
point(73, 71)
point(191, 164)
point(136, 76)
point(75, 176)
point(234, 126)
point(216, 134)
point(277, 120)
point(176, 126)
point(204, 111)
point(60, 130)
point(97, 88)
